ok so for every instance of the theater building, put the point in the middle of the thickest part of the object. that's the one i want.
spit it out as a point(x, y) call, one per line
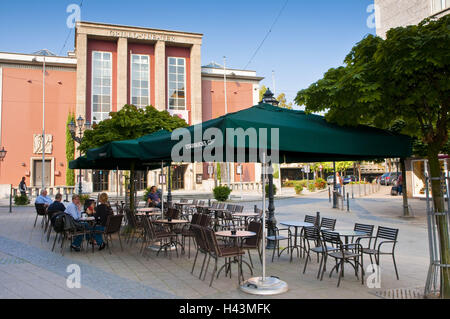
point(111, 66)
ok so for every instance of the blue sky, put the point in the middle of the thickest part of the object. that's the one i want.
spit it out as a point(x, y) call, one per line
point(310, 36)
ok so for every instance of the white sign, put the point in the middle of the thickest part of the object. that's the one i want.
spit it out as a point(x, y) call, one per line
point(162, 179)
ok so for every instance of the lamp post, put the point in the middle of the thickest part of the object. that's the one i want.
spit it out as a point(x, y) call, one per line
point(271, 221)
point(2, 153)
point(73, 129)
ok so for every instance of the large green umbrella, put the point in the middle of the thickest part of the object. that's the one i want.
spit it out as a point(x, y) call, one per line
point(302, 138)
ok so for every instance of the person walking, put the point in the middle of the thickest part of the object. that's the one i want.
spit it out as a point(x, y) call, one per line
point(23, 187)
point(338, 182)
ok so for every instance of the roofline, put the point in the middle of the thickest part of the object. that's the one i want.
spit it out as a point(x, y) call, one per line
point(87, 23)
point(227, 69)
point(23, 58)
point(231, 77)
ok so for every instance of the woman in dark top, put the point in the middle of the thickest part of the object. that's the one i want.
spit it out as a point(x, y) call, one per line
point(102, 212)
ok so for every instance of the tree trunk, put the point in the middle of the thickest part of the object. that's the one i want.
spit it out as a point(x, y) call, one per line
point(442, 226)
point(404, 192)
point(132, 185)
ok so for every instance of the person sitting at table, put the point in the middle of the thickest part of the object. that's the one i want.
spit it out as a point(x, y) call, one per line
point(90, 209)
point(56, 206)
point(43, 199)
point(153, 199)
point(102, 212)
point(74, 210)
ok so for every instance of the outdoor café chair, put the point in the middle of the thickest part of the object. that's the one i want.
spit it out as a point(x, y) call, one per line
point(328, 223)
point(253, 242)
point(113, 225)
point(153, 236)
point(368, 230)
point(202, 247)
point(134, 226)
point(217, 251)
point(385, 235)
point(341, 254)
point(41, 210)
point(277, 238)
point(312, 243)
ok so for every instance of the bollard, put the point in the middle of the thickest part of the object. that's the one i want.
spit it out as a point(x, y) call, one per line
point(329, 195)
point(343, 191)
point(359, 188)
point(10, 199)
point(348, 203)
point(352, 192)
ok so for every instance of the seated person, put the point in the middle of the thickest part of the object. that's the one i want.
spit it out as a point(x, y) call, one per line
point(153, 199)
point(74, 210)
point(56, 206)
point(90, 209)
point(43, 199)
point(102, 212)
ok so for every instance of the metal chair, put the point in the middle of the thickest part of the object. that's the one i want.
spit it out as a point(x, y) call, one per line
point(113, 225)
point(217, 251)
point(255, 241)
point(341, 255)
point(385, 235)
point(328, 223)
point(41, 210)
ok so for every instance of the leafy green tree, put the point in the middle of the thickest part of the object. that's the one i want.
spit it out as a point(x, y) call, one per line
point(130, 123)
point(405, 77)
point(70, 152)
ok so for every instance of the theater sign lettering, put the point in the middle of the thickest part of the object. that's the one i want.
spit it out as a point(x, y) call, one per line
point(142, 35)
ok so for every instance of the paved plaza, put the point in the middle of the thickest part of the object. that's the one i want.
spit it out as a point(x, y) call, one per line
point(28, 268)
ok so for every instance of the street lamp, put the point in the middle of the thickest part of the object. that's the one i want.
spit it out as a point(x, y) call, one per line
point(73, 129)
point(2, 153)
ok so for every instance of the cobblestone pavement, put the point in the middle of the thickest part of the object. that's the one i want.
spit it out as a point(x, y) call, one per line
point(28, 268)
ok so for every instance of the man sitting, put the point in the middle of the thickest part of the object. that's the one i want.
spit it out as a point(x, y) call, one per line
point(153, 199)
point(74, 210)
point(43, 199)
point(56, 206)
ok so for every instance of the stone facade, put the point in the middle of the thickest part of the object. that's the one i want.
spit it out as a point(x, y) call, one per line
point(396, 13)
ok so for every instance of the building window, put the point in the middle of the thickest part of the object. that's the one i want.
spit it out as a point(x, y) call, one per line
point(140, 84)
point(439, 5)
point(101, 85)
point(177, 83)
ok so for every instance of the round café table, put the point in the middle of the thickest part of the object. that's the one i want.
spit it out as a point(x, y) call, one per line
point(245, 216)
point(239, 235)
point(296, 225)
point(171, 224)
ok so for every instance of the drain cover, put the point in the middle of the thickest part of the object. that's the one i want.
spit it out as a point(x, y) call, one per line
point(401, 293)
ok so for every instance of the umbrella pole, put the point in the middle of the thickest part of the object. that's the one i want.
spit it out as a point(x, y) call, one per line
point(264, 285)
point(162, 190)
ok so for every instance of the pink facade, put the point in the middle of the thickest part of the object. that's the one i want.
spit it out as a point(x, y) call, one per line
point(22, 118)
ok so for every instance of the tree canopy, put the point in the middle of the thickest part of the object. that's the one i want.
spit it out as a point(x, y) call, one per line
point(404, 78)
point(130, 123)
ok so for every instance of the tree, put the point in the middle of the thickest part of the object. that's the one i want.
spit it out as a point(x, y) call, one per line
point(70, 151)
point(130, 123)
point(404, 77)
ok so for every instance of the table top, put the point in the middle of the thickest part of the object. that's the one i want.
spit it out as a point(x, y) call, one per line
point(87, 219)
point(148, 209)
point(350, 233)
point(149, 214)
point(184, 204)
point(239, 233)
point(173, 221)
point(296, 224)
point(245, 214)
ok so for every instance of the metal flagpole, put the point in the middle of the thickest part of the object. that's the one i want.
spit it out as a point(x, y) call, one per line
point(226, 109)
point(264, 285)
